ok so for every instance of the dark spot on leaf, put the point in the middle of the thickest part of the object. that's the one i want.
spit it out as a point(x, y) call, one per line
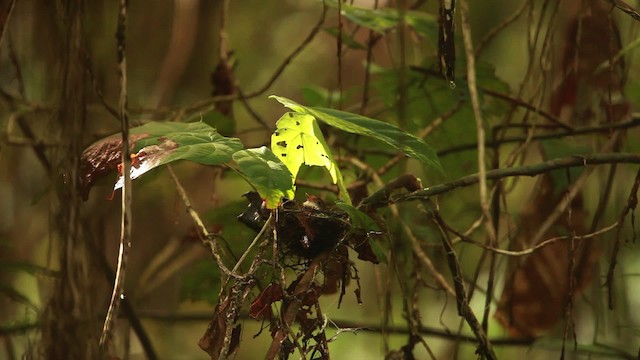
point(297, 122)
point(282, 143)
point(284, 155)
point(276, 133)
point(290, 114)
point(299, 147)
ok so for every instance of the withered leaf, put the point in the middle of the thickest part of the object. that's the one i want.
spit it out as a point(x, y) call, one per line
point(101, 158)
point(152, 145)
point(261, 306)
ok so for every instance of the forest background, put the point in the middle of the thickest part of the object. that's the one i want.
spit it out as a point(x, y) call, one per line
point(524, 221)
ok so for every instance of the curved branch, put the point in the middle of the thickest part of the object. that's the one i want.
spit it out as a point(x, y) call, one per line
point(527, 170)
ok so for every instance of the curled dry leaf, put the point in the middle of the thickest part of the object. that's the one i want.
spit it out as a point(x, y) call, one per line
point(261, 306)
point(101, 158)
point(212, 342)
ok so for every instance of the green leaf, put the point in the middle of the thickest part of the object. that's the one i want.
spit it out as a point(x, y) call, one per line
point(383, 19)
point(361, 125)
point(196, 141)
point(159, 143)
point(267, 174)
point(298, 140)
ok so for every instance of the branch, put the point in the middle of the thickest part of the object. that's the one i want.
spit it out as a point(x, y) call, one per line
point(475, 104)
point(527, 170)
point(125, 226)
point(207, 238)
point(464, 309)
point(635, 121)
point(632, 202)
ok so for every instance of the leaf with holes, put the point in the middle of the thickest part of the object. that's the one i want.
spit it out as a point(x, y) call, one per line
point(267, 174)
point(298, 140)
point(407, 143)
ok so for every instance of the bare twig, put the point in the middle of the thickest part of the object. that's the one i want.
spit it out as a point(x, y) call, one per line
point(491, 34)
point(276, 74)
point(535, 248)
point(475, 104)
point(125, 225)
point(566, 201)
point(626, 8)
point(207, 238)
point(464, 309)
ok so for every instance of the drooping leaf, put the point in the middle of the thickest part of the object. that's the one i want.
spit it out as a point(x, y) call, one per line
point(362, 125)
point(269, 175)
point(298, 140)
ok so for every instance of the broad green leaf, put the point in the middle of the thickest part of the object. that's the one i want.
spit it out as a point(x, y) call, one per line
point(362, 125)
point(267, 174)
point(298, 140)
point(196, 141)
point(158, 143)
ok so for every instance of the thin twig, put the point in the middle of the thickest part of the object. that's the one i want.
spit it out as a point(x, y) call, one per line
point(125, 225)
point(464, 309)
point(535, 248)
point(288, 59)
point(491, 34)
point(266, 226)
point(207, 238)
point(566, 201)
point(475, 104)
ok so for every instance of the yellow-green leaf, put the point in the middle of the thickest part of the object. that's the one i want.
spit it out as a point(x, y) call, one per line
point(298, 140)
